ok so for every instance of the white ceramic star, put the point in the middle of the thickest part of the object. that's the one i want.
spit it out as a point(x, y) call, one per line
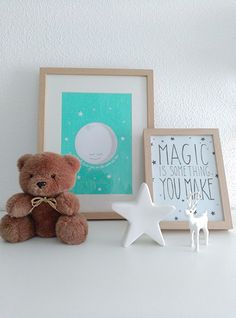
point(143, 216)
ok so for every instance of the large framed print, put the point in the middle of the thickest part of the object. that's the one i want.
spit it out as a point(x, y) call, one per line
point(98, 115)
point(183, 161)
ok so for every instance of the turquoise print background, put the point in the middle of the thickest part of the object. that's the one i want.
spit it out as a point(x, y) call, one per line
point(115, 111)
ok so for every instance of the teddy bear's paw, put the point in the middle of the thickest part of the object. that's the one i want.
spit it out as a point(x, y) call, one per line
point(15, 230)
point(19, 205)
point(67, 203)
point(72, 229)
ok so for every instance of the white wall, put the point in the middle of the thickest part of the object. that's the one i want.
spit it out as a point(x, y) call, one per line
point(190, 45)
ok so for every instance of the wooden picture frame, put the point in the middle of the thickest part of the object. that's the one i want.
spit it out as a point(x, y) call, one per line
point(66, 90)
point(179, 161)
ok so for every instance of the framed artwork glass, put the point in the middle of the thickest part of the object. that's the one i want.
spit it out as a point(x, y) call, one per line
point(98, 115)
point(183, 161)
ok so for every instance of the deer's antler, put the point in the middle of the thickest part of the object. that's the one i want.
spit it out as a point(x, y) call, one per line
point(193, 199)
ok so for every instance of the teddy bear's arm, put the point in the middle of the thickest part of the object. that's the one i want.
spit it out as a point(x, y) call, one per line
point(67, 203)
point(19, 205)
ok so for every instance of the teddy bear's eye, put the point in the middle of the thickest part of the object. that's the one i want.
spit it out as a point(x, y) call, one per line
point(31, 176)
point(53, 176)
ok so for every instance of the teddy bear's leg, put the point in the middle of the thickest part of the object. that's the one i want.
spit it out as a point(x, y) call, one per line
point(72, 229)
point(15, 230)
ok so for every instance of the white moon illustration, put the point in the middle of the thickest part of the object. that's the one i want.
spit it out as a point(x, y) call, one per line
point(96, 143)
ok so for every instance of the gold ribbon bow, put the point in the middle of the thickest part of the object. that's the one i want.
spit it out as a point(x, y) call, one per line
point(38, 200)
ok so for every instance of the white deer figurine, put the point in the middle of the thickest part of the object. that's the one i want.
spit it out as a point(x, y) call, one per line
point(196, 223)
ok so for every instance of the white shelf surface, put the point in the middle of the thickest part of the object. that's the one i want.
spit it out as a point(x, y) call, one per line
point(44, 278)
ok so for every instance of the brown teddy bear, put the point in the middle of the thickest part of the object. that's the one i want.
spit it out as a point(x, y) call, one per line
point(45, 208)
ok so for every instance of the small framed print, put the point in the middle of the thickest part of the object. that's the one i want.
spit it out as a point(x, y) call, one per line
point(98, 115)
point(183, 161)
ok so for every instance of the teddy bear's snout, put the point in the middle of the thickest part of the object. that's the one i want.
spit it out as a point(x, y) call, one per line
point(41, 184)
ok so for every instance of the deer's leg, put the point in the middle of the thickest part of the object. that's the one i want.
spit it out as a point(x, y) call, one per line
point(206, 234)
point(192, 238)
point(197, 240)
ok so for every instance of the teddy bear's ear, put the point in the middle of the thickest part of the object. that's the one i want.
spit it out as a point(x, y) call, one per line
point(73, 162)
point(22, 160)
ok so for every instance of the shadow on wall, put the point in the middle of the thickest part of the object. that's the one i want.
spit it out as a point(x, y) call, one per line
point(18, 125)
point(230, 162)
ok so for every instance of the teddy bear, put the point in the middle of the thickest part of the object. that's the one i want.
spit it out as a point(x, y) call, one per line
point(45, 208)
